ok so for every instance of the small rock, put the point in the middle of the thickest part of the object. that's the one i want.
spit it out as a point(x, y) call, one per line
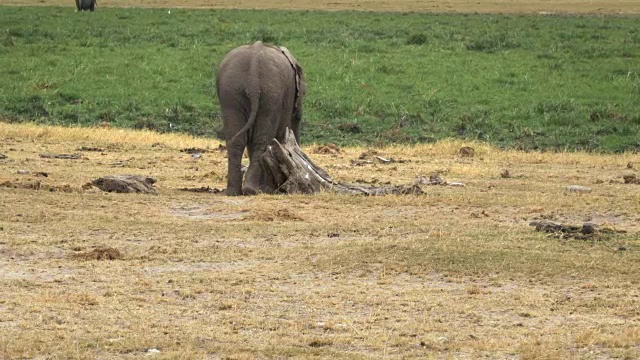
point(505, 174)
point(23, 172)
point(153, 351)
point(578, 189)
point(629, 164)
point(3, 156)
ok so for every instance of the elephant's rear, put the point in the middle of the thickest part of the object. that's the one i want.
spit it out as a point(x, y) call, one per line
point(256, 86)
point(255, 79)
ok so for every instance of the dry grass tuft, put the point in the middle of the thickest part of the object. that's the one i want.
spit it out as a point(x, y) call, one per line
point(100, 253)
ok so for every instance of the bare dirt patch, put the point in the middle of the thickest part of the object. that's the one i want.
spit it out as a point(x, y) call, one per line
point(458, 6)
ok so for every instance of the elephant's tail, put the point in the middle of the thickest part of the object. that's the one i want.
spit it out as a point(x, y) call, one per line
point(254, 99)
point(253, 91)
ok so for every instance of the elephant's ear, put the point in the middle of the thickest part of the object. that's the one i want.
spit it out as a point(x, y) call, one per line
point(300, 86)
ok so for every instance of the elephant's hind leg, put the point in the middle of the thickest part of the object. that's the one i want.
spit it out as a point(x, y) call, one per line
point(234, 121)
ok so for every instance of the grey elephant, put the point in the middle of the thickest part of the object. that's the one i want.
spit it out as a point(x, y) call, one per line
point(86, 5)
point(260, 88)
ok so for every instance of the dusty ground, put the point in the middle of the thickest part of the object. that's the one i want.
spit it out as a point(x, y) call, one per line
point(494, 6)
point(454, 273)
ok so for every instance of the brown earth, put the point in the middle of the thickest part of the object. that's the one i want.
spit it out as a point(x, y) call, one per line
point(455, 6)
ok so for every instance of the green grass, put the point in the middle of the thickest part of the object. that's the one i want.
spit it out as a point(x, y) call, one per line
point(530, 82)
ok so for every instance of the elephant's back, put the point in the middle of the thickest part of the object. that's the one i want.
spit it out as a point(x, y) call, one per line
point(257, 59)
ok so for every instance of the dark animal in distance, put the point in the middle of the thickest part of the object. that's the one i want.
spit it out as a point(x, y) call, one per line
point(86, 5)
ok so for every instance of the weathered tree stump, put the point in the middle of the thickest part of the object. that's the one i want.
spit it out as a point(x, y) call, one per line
point(126, 184)
point(287, 169)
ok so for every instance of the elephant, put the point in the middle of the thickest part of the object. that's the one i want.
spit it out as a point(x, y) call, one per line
point(260, 88)
point(86, 5)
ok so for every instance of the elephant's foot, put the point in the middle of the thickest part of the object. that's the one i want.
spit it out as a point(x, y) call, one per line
point(250, 190)
point(233, 190)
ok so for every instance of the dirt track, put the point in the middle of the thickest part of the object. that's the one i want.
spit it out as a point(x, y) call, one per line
point(494, 6)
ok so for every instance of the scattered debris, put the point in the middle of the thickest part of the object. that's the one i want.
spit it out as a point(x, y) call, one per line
point(329, 149)
point(578, 189)
point(369, 154)
point(505, 174)
point(89, 148)
point(61, 156)
point(585, 231)
point(100, 253)
point(631, 179)
point(203, 189)
point(360, 162)
point(194, 150)
point(125, 184)
point(467, 151)
point(372, 156)
point(37, 173)
point(37, 185)
point(435, 179)
point(373, 181)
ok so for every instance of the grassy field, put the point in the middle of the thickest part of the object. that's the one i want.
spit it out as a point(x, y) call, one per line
point(454, 273)
point(456, 6)
point(527, 82)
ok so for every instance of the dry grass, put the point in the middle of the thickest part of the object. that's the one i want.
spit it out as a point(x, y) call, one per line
point(454, 273)
point(461, 6)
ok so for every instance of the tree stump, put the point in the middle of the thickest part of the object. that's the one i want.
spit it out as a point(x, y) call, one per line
point(287, 169)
